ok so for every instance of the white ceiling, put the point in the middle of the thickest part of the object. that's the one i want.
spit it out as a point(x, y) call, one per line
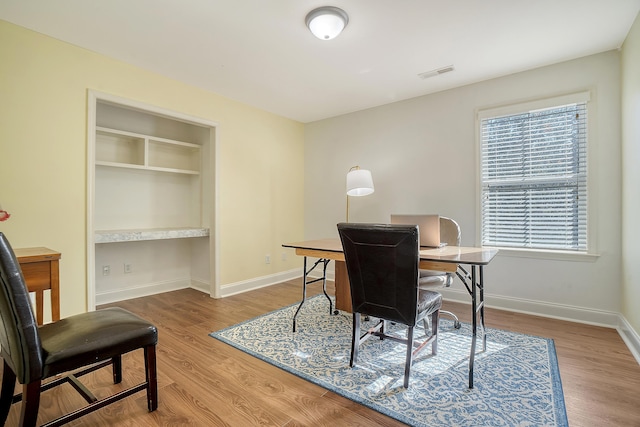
point(259, 51)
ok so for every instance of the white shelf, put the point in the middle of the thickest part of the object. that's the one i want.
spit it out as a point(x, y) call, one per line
point(130, 150)
point(147, 168)
point(115, 236)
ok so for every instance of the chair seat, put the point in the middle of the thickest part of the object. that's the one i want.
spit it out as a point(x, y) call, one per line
point(428, 302)
point(93, 337)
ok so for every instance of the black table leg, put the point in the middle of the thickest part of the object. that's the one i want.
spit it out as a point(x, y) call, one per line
point(474, 323)
point(481, 286)
point(475, 289)
point(306, 272)
point(304, 292)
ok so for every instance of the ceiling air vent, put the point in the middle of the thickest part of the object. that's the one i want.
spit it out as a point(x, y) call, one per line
point(436, 72)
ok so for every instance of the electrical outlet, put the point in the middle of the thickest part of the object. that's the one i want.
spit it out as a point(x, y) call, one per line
point(106, 270)
point(284, 256)
point(127, 268)
point(267, 259)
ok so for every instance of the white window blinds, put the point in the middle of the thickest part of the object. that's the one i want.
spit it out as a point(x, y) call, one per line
point(534, 179)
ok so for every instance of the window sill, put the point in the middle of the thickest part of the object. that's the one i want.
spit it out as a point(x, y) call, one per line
point(547, 254)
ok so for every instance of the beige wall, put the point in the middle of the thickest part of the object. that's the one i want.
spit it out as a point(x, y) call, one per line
point(631, 177)
point(43, 122)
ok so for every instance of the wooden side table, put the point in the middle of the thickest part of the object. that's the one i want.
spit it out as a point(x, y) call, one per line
point(40, 267)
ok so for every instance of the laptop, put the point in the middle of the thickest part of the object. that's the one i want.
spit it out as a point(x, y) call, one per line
point(428, 226)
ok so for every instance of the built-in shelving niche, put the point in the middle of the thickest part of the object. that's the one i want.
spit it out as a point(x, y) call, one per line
point(151, 201)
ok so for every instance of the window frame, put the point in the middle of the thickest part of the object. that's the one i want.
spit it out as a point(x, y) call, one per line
point(522, 107)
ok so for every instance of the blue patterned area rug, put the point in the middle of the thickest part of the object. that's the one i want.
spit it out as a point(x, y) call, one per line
point(516, 382)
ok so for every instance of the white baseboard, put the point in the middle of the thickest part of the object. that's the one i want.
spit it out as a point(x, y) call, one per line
point(201, 285)
point(630, 337)
point(540, 308)
point(258, 282)
point(537, 308)
point(558, 311)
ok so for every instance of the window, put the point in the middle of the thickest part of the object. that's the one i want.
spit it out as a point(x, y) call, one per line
point(534, 176)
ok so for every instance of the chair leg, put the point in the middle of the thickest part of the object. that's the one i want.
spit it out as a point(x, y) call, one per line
point(434, 331)
point(30, 404)
point(6, 395)
point(456, 321)
point(116, 363)
point(407, 365)
point(355, 339)
point(152, 378)
point(425, 325)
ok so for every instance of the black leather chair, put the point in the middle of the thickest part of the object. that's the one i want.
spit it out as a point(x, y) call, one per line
point(84, 342)
point(382, 264)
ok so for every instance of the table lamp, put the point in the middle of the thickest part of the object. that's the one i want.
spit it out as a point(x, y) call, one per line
point(359, 183)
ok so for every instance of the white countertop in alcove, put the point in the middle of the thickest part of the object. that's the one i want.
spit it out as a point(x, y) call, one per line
point(114, 236)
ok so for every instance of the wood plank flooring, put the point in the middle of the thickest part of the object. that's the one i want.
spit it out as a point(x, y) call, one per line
point(203, 382)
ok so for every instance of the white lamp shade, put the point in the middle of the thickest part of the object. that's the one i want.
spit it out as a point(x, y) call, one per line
point(359, 183)
point(327, 22)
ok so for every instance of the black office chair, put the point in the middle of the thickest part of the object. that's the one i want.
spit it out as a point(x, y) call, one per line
point(382, 264)
point(87, 341)
point(432, 280)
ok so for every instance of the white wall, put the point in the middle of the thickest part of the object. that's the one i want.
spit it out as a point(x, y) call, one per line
point(631, 182)
point(422, 154)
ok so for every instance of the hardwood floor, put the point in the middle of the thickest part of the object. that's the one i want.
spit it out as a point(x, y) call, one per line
point(203, 382)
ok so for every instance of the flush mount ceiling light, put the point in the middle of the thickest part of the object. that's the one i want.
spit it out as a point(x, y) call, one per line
point(327, 22)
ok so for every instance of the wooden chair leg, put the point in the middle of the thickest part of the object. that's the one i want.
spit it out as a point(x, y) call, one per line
point(116, 363)
point(152, 378)
point(30, 404)
point(6, 395)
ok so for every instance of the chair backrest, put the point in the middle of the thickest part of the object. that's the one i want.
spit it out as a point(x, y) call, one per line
point(19, 338)
point(382, 264)
point(449, 231)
